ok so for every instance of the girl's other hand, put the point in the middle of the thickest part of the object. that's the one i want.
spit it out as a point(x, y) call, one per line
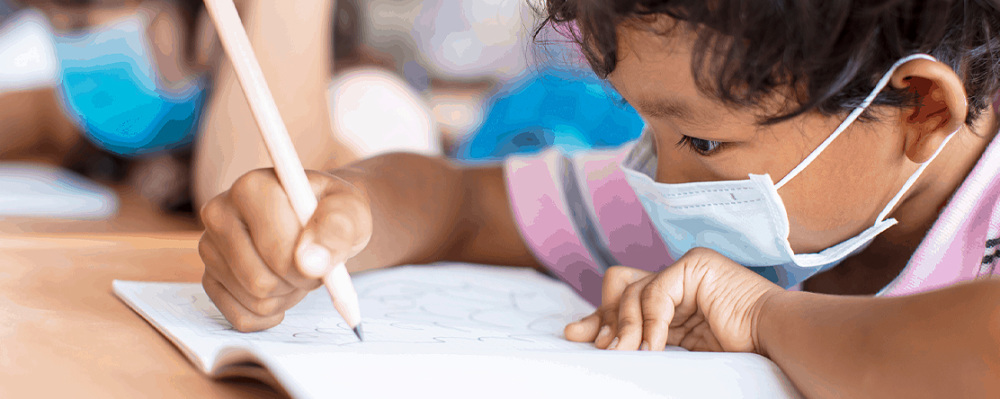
point(259, 261)
point(703, 302)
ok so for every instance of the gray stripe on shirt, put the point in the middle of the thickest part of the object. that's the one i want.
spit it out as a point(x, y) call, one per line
point(586, 226)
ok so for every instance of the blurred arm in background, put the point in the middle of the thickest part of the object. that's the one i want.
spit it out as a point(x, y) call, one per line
point(292, 40)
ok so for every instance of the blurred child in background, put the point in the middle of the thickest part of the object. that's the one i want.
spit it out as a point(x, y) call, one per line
point(140, 93)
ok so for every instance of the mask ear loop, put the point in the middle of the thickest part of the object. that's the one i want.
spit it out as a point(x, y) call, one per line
point(851, 118)
point(913, 179)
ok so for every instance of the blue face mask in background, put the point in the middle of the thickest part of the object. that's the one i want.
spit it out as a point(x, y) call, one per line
point(109, 86)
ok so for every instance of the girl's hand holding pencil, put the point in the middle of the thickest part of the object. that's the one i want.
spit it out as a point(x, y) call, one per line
point(259, 261)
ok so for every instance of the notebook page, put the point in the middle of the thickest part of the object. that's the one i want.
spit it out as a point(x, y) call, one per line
point(450, 308)
point(425, 323)
point(532, 374)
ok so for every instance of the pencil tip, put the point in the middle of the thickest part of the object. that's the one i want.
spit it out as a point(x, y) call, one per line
point(359, 333)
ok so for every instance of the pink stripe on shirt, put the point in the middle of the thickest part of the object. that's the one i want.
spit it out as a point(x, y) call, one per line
point(630, 233)
point(543, 218)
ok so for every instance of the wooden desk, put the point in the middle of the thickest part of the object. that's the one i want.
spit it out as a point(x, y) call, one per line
point(134, 216)
point(63, 333)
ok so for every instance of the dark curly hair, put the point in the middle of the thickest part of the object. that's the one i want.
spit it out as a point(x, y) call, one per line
point(833, 51)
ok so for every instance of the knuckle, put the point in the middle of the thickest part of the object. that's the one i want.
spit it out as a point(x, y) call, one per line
point(627, 324)
point(204, 248)
point(252, 182)
point(651, 291)
point(631, 290)
point(214, 213)
point(205, 278)
point(609, 315)
point(700, 252)
point(261, 285)
point(265, 307)
point(654, 322)
point(340, 222)
point(243, 323)
point(615, 272)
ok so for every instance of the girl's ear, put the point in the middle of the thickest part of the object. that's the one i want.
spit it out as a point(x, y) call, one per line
point(941, 106)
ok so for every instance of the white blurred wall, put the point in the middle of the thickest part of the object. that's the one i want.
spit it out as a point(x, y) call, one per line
point(458, 39)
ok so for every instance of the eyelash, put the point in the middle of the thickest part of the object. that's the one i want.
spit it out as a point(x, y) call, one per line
point(690, 143)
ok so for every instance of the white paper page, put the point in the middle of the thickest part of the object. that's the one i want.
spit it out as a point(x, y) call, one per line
point(430, 316)
point(532, 374)
point(411, 307)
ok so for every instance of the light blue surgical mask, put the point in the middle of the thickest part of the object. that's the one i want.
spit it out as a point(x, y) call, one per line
point(746, 220)
point(110, 87)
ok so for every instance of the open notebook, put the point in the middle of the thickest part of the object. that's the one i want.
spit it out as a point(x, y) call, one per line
point(442, 331)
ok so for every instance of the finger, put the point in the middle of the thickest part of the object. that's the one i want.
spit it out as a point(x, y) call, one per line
point(279, 305)
point(630, 323)
point(231, 239)
point(609, 326)
point(665, 293)
point(616, 279)
point(216, 268)
point(273, 225)
point(584, 330)
point(240, 317)
point(657, 310)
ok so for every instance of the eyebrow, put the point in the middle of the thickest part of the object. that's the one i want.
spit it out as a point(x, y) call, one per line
point(669, 108)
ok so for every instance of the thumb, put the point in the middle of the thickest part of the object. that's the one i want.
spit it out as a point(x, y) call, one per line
point(312, 259)
point(340, 227)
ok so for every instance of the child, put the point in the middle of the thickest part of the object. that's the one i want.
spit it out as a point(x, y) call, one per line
point(763, 184)
point(143, 100)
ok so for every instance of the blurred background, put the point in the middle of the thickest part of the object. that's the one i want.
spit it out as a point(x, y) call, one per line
point(125, 113)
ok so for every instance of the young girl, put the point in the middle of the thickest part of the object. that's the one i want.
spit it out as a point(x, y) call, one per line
point(795, 153)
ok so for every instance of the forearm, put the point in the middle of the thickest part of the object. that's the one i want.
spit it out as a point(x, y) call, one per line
point(34, 128)
point(944, 343)
point(292, 42)
point(427, 209)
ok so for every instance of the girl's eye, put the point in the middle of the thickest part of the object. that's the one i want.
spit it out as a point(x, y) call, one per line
point(701, 146)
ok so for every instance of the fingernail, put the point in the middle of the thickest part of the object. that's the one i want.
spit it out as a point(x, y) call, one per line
point(644, 346)
point(314, 259)
point(614, 343)
point(603, 333)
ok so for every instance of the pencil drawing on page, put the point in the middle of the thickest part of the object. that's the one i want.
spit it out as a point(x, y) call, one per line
point(432, 306)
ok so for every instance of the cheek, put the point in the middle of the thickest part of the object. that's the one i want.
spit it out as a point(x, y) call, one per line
point(841, 193)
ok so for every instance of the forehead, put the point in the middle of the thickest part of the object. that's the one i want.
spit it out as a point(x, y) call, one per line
point(653, 72)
